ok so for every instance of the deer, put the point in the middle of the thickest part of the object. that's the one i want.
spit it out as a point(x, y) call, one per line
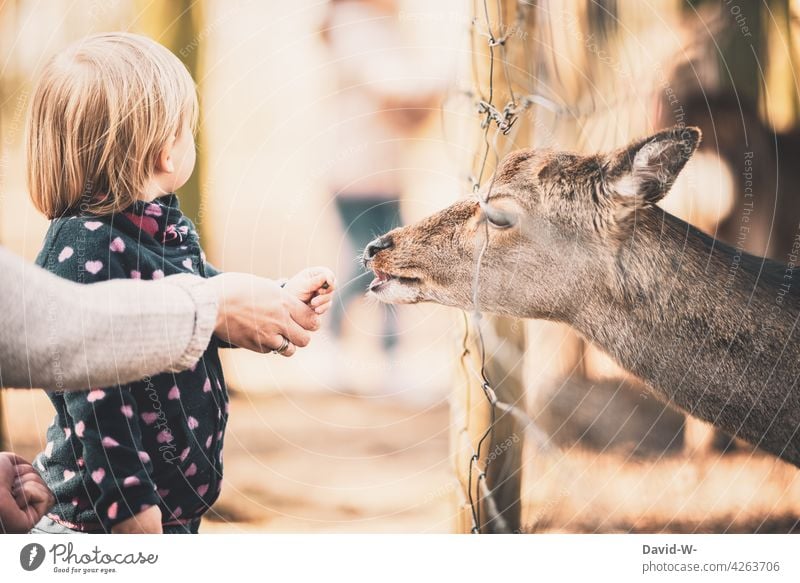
point(580, 239)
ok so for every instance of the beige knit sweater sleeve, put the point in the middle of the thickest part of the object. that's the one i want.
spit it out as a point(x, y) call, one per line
point(61, 335)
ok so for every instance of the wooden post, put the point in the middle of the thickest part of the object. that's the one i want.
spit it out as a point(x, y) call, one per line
point(500, 454)
point(497, 471)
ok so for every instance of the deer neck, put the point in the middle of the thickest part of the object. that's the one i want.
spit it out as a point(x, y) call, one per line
point(708, 328)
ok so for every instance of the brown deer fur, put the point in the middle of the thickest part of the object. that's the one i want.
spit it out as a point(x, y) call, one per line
point(579, 239)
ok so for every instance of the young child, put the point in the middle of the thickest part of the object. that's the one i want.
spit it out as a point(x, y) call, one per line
point(110, 141)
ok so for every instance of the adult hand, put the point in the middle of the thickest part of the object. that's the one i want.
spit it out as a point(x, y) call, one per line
point(256, 313)
point(24, 496)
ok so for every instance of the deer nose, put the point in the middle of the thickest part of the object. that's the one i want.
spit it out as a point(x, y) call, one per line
point(378, 245)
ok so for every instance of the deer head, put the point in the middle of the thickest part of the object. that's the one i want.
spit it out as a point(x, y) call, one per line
point(546, 237)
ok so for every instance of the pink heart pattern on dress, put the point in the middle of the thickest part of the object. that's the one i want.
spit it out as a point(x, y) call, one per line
point(48, 450)
point(153, 210)
point(164, 437)
point(126, 410)
point(158, 274)
point(208, 441)
point(98, 475)
point(187, 263)
point(79, 427)
point(95, 395)
point(144, 457)
point(190, 471)
point(117, 245)
point(174, 393)
point(207, 386)
point(92, 225)
point(67, 433)
point(68, 475)
point(112, 510)
point(185, 454)
point(65, 254)
point(149, 418)
point(163, 492)
point(201, 490)
point(131, 481)
point(192, 423)
point(94, 267)
point(110, 442)
point(136, 274)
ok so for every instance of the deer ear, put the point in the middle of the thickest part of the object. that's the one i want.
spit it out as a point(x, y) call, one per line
point(641, 173)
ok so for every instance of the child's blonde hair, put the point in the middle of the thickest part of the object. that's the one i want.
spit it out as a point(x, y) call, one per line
point(101, 113)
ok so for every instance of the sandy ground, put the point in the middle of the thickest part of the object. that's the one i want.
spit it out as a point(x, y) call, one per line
point(580, 491)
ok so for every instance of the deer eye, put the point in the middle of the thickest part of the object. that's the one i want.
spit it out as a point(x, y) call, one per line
point(499, 219)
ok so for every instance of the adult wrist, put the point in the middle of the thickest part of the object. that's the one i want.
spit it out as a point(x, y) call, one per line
point(206, 304)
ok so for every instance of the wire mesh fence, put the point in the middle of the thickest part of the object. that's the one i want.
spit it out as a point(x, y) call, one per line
point(528, 91)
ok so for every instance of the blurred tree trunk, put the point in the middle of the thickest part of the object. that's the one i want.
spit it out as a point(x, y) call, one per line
point(757, 56)
point(2, 180)
point(5, 10)
point(179, 26)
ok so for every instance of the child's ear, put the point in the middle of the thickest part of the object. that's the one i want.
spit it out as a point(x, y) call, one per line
point(642, 173)
point(164, 161)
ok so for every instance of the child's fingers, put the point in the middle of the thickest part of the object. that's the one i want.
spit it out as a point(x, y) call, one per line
point(320, 279)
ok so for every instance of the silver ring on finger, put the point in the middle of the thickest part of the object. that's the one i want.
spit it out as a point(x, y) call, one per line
point(285, 344)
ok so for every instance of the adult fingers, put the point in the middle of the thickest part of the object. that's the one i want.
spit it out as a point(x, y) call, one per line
point(277, 341)
point(38, 495)
point(295, 334)
point(33, 494)
point(25, 469)
point(319, 300)
point(303, 315)
point(290, 350)
point(13, 519)
point(322, 307)
point(15, 459)
point(27, 478)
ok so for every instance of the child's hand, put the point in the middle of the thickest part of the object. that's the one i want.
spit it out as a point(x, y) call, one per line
point(313, 286)
point(147, 522)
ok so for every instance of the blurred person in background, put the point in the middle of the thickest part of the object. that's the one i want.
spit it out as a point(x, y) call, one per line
point(381, 100)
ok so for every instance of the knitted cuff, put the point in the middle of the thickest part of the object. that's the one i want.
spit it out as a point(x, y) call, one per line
point(205, 318)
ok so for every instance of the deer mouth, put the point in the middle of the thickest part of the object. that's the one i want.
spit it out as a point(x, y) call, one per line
point(395, 289)
point(383, 280)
